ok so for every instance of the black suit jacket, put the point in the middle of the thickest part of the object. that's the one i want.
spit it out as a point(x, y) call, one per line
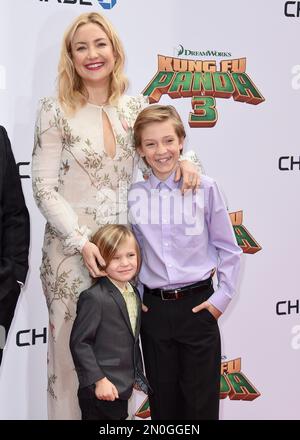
point(102, 342)
point(14, 233)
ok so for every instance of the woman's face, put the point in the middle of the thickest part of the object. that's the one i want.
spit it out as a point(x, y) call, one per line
point(92, 55)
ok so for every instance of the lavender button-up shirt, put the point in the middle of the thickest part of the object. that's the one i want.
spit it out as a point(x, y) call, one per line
point(183, 238)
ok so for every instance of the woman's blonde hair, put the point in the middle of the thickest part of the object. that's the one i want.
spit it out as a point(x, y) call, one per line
point(157, 113)
point(109, 238)
point(71, 90)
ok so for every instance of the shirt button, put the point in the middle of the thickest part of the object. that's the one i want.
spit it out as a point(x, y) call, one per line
point(166, 244)
point(169, 265)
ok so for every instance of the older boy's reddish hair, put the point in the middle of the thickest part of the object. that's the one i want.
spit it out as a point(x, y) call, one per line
point(157, 113)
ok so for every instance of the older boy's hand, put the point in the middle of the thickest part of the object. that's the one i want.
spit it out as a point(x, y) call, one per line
point(105, 390)
point(207, 305)
point(190, 175)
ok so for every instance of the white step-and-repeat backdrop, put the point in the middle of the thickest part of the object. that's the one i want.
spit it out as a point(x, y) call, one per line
point(233, 71)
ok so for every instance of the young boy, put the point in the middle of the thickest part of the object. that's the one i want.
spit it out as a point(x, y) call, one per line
point(105, 336)
point(183, 239)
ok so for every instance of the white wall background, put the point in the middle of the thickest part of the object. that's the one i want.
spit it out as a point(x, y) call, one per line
point(241, 152)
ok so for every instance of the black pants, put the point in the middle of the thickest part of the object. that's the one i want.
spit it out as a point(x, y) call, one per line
point(95, 409)
point(7, 308)
point(182, 357)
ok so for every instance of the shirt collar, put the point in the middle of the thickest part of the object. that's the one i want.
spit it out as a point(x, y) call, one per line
point(169, 182)
point(128, 287)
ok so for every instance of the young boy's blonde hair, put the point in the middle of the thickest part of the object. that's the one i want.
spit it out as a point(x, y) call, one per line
point(109, 238)
point(157, 113)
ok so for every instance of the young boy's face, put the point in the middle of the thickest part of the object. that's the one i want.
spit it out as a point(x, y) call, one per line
point(160, 146)
point(123, 265)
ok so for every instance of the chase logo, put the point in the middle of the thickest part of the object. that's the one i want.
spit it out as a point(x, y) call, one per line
point(106, 4)
point(292, 9)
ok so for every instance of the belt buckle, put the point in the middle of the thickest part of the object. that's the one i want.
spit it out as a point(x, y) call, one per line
point(169, 299)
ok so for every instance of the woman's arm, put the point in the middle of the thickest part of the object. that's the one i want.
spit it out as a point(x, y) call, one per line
point(46, 162)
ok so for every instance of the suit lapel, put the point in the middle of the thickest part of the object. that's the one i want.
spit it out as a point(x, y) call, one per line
point(138, 318)
point(118, 298)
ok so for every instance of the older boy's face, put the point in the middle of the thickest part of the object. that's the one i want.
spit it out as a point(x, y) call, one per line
point(161, 147)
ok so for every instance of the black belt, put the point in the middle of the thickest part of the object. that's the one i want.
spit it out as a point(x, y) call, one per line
point(181, 292)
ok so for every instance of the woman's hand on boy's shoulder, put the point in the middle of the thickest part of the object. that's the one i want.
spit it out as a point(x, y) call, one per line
point(93, 259)
point(190, 175)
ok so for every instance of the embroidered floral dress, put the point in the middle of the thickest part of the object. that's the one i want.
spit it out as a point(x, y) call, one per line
point(78, 188)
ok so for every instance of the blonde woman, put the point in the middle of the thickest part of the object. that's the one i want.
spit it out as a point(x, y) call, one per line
point(83, 162)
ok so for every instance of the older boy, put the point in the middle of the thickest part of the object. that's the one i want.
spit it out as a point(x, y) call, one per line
point(183, 239)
